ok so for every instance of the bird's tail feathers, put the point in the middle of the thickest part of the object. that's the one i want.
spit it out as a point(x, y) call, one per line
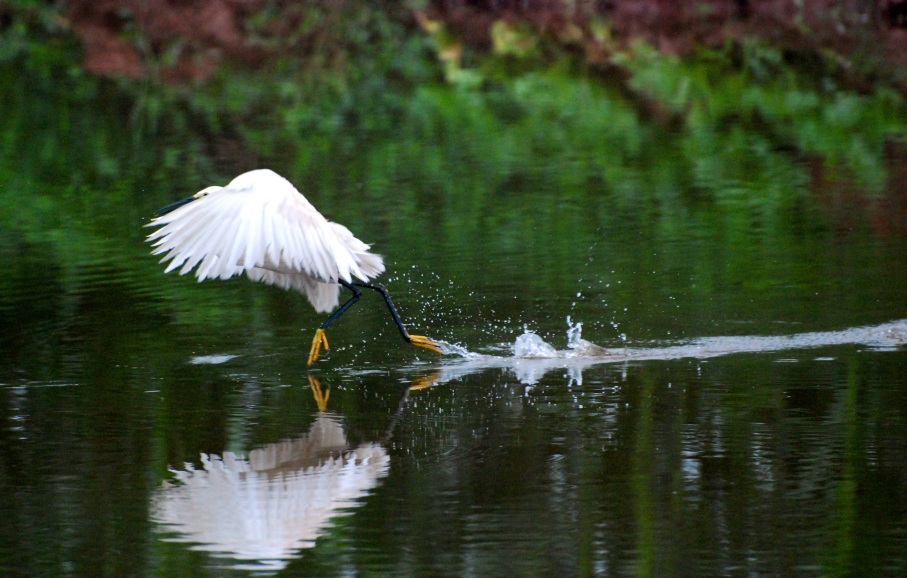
point(365, 265)
point(370, 264)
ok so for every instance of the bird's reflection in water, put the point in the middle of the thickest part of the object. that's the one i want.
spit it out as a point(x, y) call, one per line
point(262, 509)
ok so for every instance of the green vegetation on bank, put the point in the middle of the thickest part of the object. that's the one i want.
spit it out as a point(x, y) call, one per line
point(728, 117)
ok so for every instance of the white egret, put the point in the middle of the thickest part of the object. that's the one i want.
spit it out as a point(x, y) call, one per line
point(260, 225)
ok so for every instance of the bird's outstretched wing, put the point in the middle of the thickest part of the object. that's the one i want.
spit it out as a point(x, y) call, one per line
point(273, 234)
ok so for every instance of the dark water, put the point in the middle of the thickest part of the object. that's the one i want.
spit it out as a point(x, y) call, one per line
point(735, 405)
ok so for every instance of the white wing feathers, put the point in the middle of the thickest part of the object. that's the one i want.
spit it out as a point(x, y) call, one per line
point(268, 230)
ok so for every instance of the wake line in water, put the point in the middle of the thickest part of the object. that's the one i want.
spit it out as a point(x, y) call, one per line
point(533, 356)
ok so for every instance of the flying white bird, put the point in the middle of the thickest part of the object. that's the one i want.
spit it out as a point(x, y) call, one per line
point(260, 225)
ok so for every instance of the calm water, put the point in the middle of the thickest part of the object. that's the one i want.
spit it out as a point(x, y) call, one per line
point(660, 391)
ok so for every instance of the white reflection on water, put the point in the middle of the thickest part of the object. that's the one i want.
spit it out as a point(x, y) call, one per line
point(533, 357)
point(216, 359)
point(261, 509)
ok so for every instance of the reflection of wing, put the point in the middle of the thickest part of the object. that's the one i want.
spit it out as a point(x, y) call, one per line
point(262, 509)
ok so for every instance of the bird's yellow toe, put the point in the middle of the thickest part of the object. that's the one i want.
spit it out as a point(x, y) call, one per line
point(422, 341)
point(320, 340)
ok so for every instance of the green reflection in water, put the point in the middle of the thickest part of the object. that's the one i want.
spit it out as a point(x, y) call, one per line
point(643, 470)
point(845, 561)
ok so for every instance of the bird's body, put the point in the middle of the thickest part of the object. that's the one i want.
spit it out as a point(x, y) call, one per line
point(260, 225)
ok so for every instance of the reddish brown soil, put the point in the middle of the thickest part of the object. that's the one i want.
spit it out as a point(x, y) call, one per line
point(126, 36)
point(182, 40)
point(867, 38)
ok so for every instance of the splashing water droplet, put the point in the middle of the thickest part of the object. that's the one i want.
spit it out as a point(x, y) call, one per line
point(455, 349)
point(579, 346)
point(574, 334)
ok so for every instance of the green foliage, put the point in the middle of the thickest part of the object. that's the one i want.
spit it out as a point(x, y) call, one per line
point(34, 31)
point(753, 92)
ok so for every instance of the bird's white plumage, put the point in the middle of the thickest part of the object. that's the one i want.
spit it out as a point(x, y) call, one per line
point(261, 225)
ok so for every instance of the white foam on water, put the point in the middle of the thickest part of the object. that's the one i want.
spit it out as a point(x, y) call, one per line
point(211, 359)
point(532, 356)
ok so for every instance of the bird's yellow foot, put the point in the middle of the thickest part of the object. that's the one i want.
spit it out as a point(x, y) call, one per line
point(320, 340)
point(420, 341)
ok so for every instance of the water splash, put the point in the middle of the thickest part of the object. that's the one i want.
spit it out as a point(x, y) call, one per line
point(533, 356)
point(579, 347)
point(530, 346)
point(574, 333)
point(456, 349)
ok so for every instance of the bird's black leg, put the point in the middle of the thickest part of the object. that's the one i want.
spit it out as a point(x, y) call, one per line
point(320, 340)
point(390, 305)
point(417, 340)
point(349, 303)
